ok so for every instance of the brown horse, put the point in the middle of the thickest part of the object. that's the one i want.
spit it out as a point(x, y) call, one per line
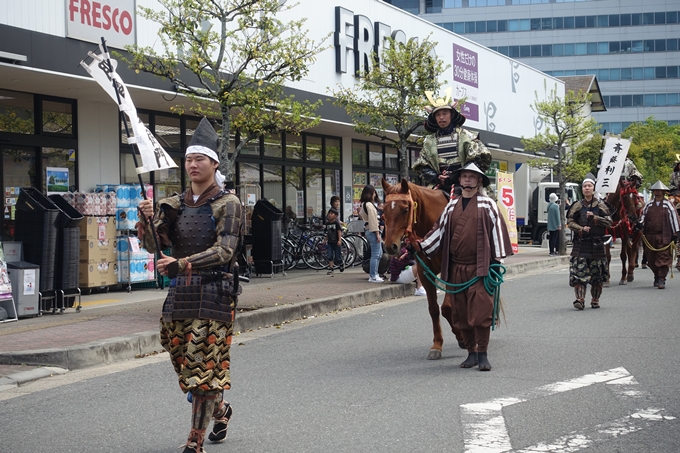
point(409, 207)
point(627, 209)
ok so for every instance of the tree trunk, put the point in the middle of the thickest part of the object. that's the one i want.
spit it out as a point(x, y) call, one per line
point(227, 163)
point(403, 159)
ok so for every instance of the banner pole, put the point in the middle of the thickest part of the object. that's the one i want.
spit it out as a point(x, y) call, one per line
point(121, 116)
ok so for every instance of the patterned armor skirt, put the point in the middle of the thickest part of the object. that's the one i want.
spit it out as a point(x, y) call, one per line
point(588, 270)
point(199, 350)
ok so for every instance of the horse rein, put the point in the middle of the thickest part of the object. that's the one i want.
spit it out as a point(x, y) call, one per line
point(413, 206)
point(625, 190)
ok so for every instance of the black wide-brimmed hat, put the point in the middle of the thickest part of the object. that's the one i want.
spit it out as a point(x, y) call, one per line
point(473, 168)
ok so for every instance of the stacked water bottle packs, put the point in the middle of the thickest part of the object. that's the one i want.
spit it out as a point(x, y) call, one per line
point(128, 197)
point(135, 264)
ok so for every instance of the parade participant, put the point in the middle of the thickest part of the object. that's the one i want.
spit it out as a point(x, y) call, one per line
point(204, 227)
point(554, 225)
point(630, 173)
point(403, 269)
point(588, 219)
point(369, 214)
point(449, 146)
point(675, 192)
point(471, 235)
point(660, 226)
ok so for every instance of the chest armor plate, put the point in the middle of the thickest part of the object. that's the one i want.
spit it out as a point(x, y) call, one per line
point(447, 147)
point(581, 218)
point(194, 230)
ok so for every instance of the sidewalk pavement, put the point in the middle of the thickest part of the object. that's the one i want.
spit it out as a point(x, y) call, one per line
point(117, 326)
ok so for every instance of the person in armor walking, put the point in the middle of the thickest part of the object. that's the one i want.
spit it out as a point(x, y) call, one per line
point(449, 146)
point(588, 219)
point(204, 227)
point(659, 224)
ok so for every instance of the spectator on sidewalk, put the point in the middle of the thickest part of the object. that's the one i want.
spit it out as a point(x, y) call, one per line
point(369, 214)
point(403, 269)
point(554, 225)
point(334, 240)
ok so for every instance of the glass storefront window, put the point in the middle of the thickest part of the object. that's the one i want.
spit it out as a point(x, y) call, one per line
point(313, 148)
point(60, 158)
point(332, 180)
point(375, 155)
point(57, 117)
point(18, 170)
point(333, 151)
point(391, 158)
point(359, 154)
point(16, 112)
point(294, 147)
point(295, 191)
point(249, 173)
point(315, 205)
point(168, 181)
point(273, 146)
point(272, 189)
point(168, 132)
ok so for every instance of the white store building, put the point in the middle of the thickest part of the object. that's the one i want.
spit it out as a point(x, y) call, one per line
point(52, 114)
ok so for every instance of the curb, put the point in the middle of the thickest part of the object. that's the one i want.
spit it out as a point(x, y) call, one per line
point(18, 379)
point(128, 347)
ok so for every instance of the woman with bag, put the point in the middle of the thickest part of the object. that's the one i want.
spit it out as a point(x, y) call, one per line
point(369, 214)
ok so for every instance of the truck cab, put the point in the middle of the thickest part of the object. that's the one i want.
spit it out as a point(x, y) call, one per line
point(538, 208)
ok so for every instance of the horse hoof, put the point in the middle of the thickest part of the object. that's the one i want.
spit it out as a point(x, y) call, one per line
point(623, 282)
point(630, 278)
point(435, 354)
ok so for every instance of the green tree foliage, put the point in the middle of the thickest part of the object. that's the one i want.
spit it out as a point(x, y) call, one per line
point(232, 58)
point(390, 95)
point(566, 131)
point(654, 150)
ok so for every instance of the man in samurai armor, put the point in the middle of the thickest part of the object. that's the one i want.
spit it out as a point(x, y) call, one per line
point(204, 228)
point(448, 147)
point(588, 219)
point(674, 187)
point(630, 174)
point(471, 235)
point(660, 226)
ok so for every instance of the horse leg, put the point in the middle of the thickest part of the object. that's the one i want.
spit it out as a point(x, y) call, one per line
point(447, 312)
point(608, 252)
point(433, 307)
point(624, 263)
point(632, 259)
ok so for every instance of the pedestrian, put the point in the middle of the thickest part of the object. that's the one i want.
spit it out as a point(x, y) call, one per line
point(588, 220)
point(369, 214)
point(471, 235)
point(204, 227)
point(289, 219)
point(448, 147)
point(675, 194)
point(660, 226)
point(554, 225)
point(334, 241)
point(403, 269)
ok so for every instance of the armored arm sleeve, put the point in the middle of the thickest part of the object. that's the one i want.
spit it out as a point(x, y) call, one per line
point(162, 221)
point(603, 220)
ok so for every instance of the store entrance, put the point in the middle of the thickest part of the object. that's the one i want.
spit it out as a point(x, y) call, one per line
point(19, 165)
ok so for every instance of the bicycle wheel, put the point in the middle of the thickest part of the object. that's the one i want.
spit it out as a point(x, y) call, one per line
point(289, 259)
point(348, 252)
point(360, 244)
point(314, 252)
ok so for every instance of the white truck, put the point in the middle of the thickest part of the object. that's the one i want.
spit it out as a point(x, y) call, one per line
point(533, 186)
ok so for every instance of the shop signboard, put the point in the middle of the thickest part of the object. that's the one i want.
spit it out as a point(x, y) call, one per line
point(57, 180)
point(506, 204)
point(89, 20)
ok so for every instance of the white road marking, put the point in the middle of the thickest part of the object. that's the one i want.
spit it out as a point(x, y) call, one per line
point(485, 430)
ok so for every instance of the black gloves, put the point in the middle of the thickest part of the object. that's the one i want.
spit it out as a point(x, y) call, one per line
point(429, 175)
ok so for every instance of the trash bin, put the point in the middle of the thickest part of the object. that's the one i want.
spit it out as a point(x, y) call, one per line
point(24, 277)
point(266, 232)
point(36, 228)
point(68, 246)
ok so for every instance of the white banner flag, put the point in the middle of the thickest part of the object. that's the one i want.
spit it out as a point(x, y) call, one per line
point(154, 157)
point(611, 166)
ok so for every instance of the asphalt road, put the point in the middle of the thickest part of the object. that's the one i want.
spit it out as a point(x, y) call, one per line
point(358, 381)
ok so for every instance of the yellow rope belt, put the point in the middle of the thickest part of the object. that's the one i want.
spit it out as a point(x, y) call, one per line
point(671, 245)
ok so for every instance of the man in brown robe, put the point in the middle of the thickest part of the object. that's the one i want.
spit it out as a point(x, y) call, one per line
point(473, 235)
point(660, 227)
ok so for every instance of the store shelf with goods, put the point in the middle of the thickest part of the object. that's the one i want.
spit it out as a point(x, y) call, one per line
point(135, 264)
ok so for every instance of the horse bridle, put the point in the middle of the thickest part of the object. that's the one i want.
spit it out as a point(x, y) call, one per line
point(413, 207)
point(625, 190)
